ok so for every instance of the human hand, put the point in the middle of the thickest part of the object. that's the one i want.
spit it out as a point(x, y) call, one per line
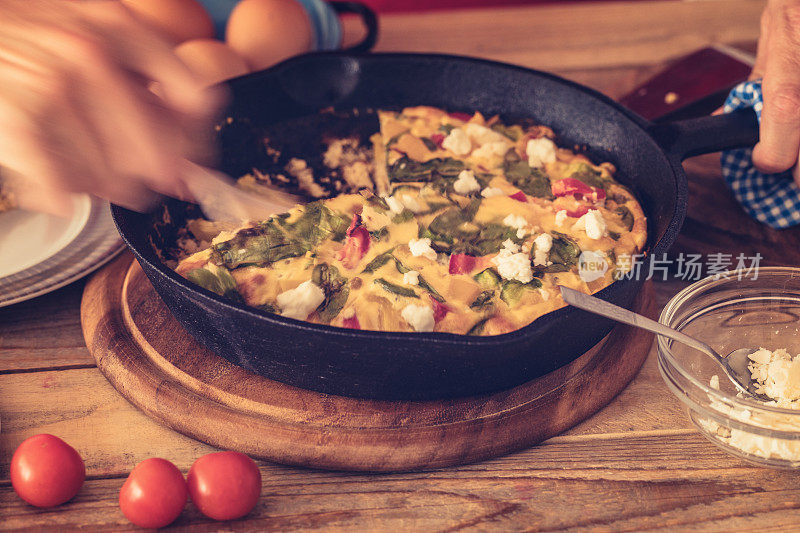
point(76, 114)
point(778, 63)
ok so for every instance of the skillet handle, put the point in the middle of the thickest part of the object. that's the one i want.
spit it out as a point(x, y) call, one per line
point(687, 138)
point(368, 17)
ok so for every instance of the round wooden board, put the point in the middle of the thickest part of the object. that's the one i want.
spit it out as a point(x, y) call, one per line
point(151, 360)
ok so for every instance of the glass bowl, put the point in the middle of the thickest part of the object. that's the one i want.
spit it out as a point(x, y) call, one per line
point(737, 309)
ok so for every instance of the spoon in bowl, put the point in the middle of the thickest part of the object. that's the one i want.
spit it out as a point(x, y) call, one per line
point(734, 364)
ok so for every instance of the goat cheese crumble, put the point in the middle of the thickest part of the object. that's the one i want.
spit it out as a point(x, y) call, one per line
point(400, 202)
point(301, 301)
point(512, 263)
point(561, 217)
point(515, 221)
point(488, 192)
point(410, 203)
point(422, 248)
point(491, 149)
point(483, 135)
point(466, 183)
point(394, 205)
point(593, 224)
point(541, 251)
point(419, 317)
point(457, 142)
point(411, 277)
point(540, 151)
point(777, 375)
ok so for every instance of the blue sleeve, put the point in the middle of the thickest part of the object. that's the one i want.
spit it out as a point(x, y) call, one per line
point(219, 10)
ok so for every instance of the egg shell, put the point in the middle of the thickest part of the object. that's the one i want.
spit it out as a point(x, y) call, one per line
point(178, 20)
point(266, 32)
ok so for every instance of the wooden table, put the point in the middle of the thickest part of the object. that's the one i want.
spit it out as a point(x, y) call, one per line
point(637, 464)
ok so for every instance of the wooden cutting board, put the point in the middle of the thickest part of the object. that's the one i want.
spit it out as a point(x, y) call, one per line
point(157, 366)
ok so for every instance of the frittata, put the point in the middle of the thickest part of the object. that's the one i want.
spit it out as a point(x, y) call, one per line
point(478, 224)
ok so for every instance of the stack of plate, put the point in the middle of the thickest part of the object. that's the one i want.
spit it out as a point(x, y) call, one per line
point(40, 253)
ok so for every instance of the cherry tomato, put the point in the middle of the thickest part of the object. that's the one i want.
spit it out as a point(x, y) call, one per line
point(154, 493)
point(46, 471)
point(224, 485)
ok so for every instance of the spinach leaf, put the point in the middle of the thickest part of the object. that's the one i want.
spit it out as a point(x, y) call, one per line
point(484, 299)
point(563, 253)
point(377, 201)
point(509, 131)
point(317, 223)
point(394, 139)
point(447, 128)
point(420, 281)
point(444, 224)
point(488, 278)
point(448, 224)
point(429, 144)
point(276, 239)
point(260, 245)
point(379, 234)
point(626, 215)
point(396, 289)
point(589, 176)
point(269, 308)
point(477, 329)
point(335, 288)
point(439, 243)
point(405, 216)
point(378, 262)
point(531, 181)
point(511, 290)
point(428, 287)
point(489, 240)
point(220, 282)
point(408, 170)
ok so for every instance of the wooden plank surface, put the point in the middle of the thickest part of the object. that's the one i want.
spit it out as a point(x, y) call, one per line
point(571, 37)
point(636, 465)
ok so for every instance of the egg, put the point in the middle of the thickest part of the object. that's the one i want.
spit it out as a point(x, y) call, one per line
point(212, 61)
point(266, 32)
point(178, 20)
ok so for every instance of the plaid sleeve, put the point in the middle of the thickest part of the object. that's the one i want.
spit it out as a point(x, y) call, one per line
point(773, 199)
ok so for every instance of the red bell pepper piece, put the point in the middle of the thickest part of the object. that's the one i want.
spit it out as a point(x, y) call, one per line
point(438, 139)
point(578, 212)
point(569, 186)
point(351, 322)
point(440, 309)
point(356, 245)
point(461, 264)
point(519, 196)
point(460, 116)
point(577, 188)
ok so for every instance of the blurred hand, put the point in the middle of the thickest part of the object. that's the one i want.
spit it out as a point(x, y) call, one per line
point(778, 63)
point(76, 114)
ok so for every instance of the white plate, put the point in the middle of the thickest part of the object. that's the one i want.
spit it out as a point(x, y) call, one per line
point(40, 253)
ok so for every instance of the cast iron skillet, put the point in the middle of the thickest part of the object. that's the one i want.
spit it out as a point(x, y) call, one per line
point(414, 366)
